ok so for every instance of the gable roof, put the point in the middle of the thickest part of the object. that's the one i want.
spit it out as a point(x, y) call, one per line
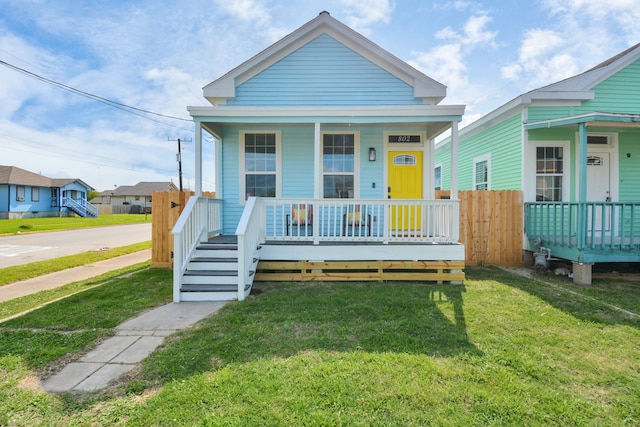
point(572, 90)
point(17, 176)
point(140, 189)
point(424, 87)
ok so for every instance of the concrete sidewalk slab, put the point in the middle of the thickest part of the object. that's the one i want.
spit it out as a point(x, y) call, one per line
point(54, 280)
point(136, 339)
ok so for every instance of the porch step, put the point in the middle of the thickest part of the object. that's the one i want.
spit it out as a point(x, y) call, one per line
point(212, 288)
point(201, 263)
point(210, 277)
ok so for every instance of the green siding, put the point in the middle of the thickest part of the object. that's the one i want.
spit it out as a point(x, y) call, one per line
point(503, 142)
point(629, 166)
point(619, 93)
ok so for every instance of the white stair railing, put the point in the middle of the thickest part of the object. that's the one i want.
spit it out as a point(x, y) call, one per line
point(200, 218)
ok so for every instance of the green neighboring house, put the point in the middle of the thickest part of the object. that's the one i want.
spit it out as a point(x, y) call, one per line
point(573, 148)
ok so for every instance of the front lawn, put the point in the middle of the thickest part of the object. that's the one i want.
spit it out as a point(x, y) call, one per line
point(29, 225)
point(499, 350)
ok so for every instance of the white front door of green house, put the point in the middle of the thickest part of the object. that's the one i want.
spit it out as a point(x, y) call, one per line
point(599, 188)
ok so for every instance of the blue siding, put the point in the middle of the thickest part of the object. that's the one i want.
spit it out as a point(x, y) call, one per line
point(324, 72)
point(298, 165)
point(4, 198)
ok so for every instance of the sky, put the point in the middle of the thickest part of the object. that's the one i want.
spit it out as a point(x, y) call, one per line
point(71, 69)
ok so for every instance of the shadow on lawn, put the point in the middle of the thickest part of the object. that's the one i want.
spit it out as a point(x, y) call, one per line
point(594, 304)
point(282, 320)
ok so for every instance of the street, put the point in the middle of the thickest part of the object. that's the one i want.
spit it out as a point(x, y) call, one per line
point(30, 247)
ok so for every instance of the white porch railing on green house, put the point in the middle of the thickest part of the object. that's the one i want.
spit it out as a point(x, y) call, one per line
point(251, 234)
point(200, 218)
point(384, 221)
point(592, 225)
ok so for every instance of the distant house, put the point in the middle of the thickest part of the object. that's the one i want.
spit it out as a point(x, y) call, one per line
point(573, 148)
point(138, 195)
point(25, 194)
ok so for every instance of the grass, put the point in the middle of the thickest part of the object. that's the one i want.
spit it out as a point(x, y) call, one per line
point(500, 350)
point(23, 225)
point(27, 271)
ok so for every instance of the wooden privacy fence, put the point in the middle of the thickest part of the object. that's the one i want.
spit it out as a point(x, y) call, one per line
point(164, 218)
point(491, 227)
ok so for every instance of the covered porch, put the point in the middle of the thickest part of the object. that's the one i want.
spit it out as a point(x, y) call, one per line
point(592, 227)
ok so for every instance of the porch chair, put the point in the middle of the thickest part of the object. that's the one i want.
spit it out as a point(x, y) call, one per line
point(301, 218)
point(356, 219)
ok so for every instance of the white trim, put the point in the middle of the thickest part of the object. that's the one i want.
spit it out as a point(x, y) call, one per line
point(614, 167)
point(476, 160)
point(345, 113)
point(530, 170)
point(356, 160)
point(278, 134)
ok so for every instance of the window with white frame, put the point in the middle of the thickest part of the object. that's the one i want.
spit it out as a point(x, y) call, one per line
point(260, 163)
point(482, 173)
point(35, 194)
point(549, 173)
point(438, 177)
point(338, 166)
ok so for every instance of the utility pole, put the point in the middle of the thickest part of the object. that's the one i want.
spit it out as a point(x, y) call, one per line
point(179, 159)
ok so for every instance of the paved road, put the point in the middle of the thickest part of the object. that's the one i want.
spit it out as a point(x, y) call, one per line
point(31, 247)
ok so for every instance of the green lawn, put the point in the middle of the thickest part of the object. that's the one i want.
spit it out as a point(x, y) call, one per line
point(499, 350)
point(13, 226)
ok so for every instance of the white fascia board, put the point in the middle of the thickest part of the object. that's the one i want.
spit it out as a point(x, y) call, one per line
point(571, 97)
point(425, 111)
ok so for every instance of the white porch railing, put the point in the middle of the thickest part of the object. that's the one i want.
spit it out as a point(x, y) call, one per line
point(201, 216)
point(80, 206)
point(385, 221)
point(250, 234)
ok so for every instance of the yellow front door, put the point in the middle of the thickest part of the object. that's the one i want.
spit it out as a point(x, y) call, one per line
point(405, 182)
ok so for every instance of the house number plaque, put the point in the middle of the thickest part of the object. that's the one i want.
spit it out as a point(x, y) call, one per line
point(404, 139)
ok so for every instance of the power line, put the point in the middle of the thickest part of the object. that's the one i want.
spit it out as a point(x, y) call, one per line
point(101, 99)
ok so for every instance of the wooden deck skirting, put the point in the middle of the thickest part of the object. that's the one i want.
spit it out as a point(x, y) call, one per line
point(302, 271)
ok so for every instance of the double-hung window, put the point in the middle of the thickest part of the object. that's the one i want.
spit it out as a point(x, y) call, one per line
point(482, 173)
point(438, 178)
point(35, 194)
point(260, 161)
point(338, 166)
point(549, 173)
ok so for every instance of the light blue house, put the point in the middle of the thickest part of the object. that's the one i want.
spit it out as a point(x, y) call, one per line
point(324, 154)
point(25, 194)
point(573, 148)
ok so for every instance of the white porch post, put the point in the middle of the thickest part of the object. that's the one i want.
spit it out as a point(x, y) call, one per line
point(317, 162)
point(453, 185)
point(218, 166)
point(198, 159)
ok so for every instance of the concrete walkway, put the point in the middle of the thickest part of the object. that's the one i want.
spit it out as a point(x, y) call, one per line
point(135, 339)
point(59, 278)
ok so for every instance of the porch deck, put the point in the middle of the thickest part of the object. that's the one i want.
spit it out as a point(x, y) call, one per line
point(585, 232)
point(314, 239)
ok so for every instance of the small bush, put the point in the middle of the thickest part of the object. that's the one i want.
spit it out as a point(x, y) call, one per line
point(25, 227)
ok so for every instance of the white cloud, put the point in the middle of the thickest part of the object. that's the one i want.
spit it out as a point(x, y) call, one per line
point(361, 14)
point(447, 63)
